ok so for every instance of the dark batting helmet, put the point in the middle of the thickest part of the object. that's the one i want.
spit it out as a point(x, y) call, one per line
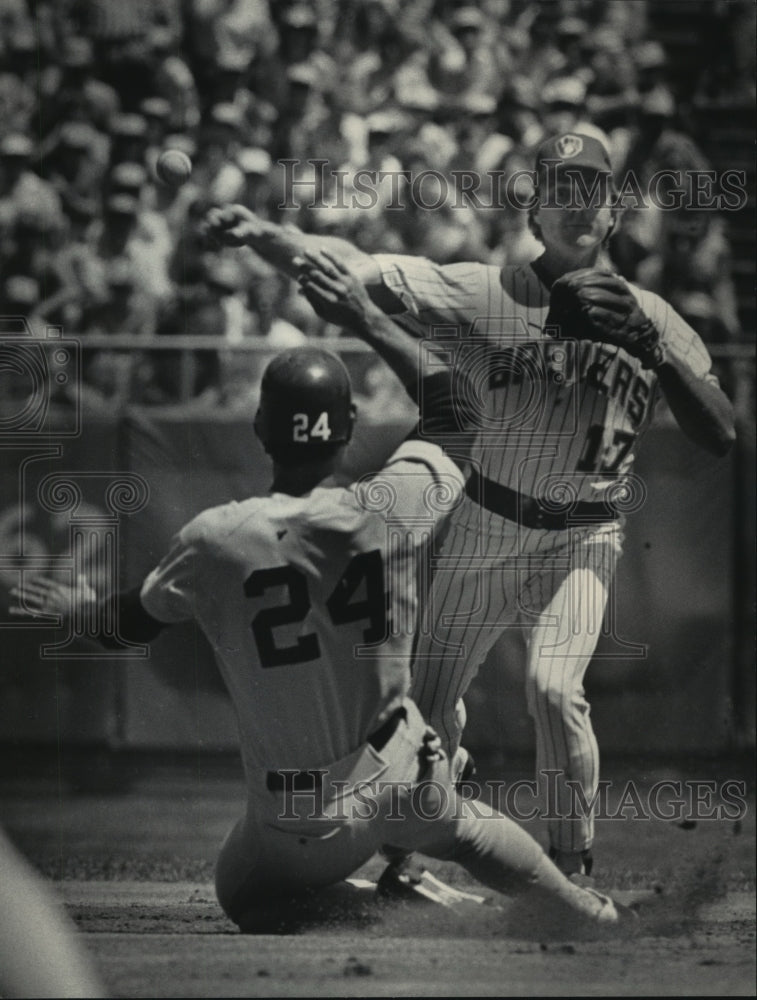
point(306, 410)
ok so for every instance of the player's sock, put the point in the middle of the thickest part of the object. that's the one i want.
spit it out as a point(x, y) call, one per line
point(500, 854)
point(591, 904)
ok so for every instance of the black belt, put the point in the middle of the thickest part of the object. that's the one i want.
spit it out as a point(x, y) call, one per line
point(533, 513)
point(292, 781)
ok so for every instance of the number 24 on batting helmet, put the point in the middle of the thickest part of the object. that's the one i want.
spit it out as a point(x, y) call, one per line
point(306, 408)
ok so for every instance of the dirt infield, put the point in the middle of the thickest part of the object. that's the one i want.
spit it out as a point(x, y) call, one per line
point(134, 870)
point(169, 940)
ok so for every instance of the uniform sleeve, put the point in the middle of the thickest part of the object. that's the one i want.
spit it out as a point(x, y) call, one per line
point(677, 335)
point(419, 486)
point(435, 294)
point(168, 593)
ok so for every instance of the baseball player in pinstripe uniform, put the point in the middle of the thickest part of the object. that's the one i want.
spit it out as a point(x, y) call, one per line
point(309, 599)
point(535, 543)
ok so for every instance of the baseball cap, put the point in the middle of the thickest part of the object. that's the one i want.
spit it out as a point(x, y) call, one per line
point(232, 60)
point(227, 116)
point(421, 98)
point(571, 27)
point(156, 108)
point(16, 145)
point(128, 177)
point(564, 90)
point(77, 135)
point(128, 125)
point(467, 19)
point(573, 149)
point(253, 160)
point(122, 204)
point(386, 122)
point(478, 105)
point(300, 15)
point(303, 74)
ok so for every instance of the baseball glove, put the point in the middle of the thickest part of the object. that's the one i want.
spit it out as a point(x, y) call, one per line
point(598, 305)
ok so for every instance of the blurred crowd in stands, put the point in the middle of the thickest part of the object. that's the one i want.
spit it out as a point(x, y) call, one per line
point(92, 91)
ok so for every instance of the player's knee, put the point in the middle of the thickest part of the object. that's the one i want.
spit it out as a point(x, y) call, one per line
point(432, 798)
point(552, 694)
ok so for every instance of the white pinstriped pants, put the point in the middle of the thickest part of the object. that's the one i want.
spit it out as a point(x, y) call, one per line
point(554, 586)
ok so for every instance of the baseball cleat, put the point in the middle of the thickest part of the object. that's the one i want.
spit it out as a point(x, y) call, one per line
point(399, 877)
point(608, 911)
point(409, 880)
point(584, 915)
point(447, 895)
point(613, 915)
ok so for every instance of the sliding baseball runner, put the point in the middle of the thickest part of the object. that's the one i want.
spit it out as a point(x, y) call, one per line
point(309, 599)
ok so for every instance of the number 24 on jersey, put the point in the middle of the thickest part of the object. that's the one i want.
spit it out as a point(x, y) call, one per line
point(343, 607)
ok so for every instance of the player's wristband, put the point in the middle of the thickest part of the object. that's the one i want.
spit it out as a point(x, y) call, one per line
point(134, 623)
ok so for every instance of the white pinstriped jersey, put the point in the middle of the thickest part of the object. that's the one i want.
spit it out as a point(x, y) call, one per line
point(551, 412)
point(310, 603)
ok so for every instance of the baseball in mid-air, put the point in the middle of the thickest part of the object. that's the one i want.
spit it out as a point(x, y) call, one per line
point(173, 167)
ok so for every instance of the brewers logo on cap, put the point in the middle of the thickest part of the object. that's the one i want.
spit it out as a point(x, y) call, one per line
point(569, 146)
point(574, 150)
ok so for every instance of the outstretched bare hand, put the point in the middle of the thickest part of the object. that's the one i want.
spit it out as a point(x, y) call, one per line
point(231, 225)
point(336, 294)
point(45, 596)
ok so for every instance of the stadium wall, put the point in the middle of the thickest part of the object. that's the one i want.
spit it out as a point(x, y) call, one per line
point(665, 681)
